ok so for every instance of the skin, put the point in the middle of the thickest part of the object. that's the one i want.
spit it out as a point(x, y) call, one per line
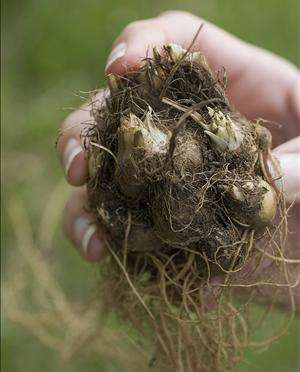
point(260, 85)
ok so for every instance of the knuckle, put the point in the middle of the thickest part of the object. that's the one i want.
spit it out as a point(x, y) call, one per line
point(69, 120)
point(72, 126)
point(178, 13)
point(174, 13)
point(135, 26)
point(82, 114)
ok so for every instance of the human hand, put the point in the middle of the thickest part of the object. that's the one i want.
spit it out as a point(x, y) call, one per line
point(260, 84)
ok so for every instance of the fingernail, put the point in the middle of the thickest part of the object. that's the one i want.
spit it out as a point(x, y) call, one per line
point(116, 53)
point(83, 232)
point(71, 150)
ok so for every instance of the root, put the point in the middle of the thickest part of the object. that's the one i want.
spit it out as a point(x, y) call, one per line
point(191, 210)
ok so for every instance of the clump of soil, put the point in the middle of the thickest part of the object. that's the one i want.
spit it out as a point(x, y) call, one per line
point(179, 181)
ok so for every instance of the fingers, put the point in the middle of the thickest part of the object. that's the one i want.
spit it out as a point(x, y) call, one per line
point(69, 146)
point(260, 84)
point(134, 43)
point(139, 37)
point(81, 228)
point(70, 149)
point(290, 167)
point(292, 146)
point(288, 156)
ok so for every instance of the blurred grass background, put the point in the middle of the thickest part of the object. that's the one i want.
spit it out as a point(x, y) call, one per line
point(50, 51)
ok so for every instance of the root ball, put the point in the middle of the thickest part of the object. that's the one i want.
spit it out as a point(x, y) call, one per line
point(177, 179)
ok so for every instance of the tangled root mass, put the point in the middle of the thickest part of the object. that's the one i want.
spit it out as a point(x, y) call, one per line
point(181, 163)
point(179, 180)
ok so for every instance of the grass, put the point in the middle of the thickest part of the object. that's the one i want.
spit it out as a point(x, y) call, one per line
point(51, 51)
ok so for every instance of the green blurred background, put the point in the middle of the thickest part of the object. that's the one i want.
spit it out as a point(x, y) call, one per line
point(51, 50)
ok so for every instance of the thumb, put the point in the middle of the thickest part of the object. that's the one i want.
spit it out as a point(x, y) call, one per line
point(288, 157)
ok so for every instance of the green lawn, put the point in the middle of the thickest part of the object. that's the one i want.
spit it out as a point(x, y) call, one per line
point(51, 50)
